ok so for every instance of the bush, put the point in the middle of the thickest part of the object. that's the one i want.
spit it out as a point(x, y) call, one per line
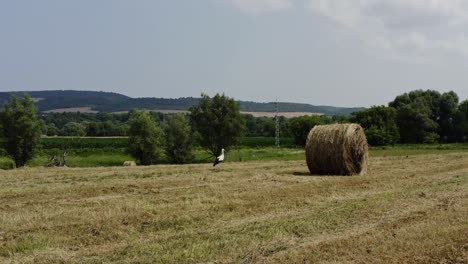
point(20, 128)
point(144, 138)
point(431, 138)
point(380, 124)
point(73, 129)
point(178, 147)
point(379, 137)
point(301, 126)
point(7, 164)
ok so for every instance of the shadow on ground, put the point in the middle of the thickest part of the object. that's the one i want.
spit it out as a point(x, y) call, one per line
point(307, 174)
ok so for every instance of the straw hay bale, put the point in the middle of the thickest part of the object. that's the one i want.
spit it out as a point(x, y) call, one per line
point(339, 149)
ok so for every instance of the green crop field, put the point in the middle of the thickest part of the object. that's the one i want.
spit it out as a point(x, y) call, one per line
point(106, 152)
point(83, 142)
point(121, 142)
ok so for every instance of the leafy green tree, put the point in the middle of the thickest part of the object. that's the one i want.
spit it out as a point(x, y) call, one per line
point(178, 147)
point(107, 128)
point(425, 116)
point(460, 122)
point(20, 129)
point(145, 139)
point(73, 129)
point(380, 124)
point(415, 125)
point(448, 104)
point(259, 126)
point(217, 121)
point(51, 130)
point(340, 119)
point(300, 127)
point(43, 126)
point(92, 130)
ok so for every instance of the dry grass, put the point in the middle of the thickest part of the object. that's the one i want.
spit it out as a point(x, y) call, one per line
point(405, 210)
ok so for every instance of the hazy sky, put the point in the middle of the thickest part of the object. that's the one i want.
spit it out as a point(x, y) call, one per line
point(328, 52)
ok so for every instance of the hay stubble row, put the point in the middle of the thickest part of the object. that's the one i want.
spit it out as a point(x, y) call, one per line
point(404, 210)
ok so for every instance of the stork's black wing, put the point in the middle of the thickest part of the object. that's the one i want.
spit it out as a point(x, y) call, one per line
point(217, 161)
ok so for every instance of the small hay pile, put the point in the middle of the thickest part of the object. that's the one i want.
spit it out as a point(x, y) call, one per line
point(339, 149)
point(129, 163)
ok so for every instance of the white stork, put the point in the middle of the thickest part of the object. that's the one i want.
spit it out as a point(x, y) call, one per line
point(219, 159)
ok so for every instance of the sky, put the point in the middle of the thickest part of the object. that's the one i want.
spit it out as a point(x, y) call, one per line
point(323, 52)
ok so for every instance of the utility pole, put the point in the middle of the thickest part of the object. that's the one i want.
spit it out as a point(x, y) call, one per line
point(277, 131)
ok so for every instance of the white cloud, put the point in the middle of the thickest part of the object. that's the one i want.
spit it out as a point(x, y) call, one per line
point(404, 27)
point(256, 7)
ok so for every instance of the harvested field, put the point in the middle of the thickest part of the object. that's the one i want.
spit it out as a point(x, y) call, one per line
point(73, 110)
point(255, 114)
point(285, 114)
point(405, 210)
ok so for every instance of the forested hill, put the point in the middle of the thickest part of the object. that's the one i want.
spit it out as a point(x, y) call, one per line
point(114, 102)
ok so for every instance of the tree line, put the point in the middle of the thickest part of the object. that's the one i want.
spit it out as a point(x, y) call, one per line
point(112, 124)
point(415, 117)
point(215, 123)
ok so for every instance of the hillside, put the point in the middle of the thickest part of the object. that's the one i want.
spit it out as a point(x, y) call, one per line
point(114, 102)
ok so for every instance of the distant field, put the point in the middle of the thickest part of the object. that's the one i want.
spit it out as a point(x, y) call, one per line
point(285, 114)
point(406, 210)
point(165, 111)
point(72, 110)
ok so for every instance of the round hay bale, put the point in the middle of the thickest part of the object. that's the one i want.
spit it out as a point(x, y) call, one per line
point(129, 163)
point(339, 149)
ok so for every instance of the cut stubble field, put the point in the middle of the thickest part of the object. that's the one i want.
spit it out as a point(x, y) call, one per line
point(405, 210)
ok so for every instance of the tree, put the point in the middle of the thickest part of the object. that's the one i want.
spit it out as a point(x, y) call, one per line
point(144, 138)
point(92, 130)
point(20, 128)
point(178, 147)
point(415, 125)
point(380, 124)
point(460, 122)
point(425, 116)
point(51, 130)
point(218, 122)
point(73, 129)
point(448, 104)
point(301, 126)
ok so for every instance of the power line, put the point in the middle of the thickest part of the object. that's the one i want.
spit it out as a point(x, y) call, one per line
point(277, 131)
